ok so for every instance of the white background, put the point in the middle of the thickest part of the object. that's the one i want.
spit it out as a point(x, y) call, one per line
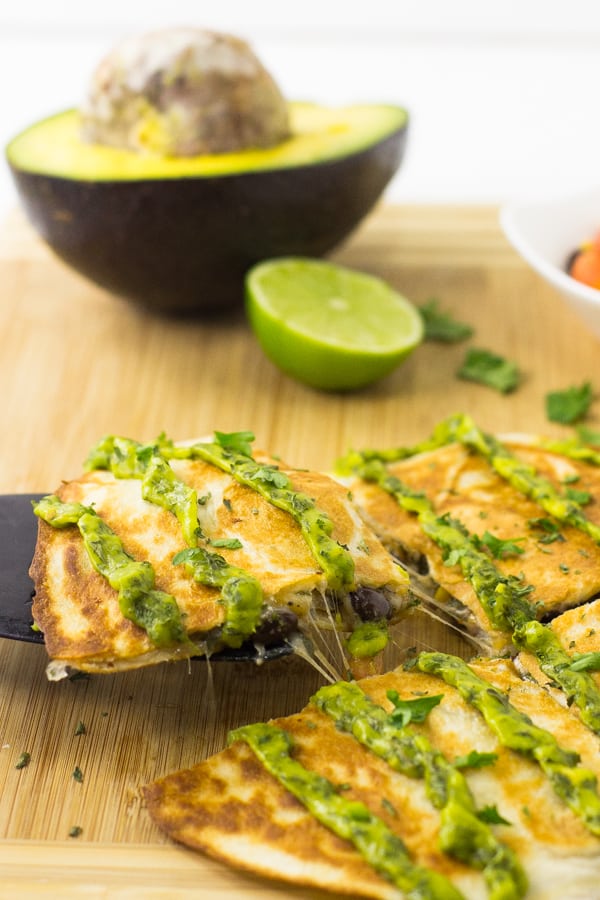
point(504, 96)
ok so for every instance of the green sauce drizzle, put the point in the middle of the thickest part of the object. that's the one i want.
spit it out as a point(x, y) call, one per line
point(153, 610)
point(129, 459)
point(241, 594)
point(502, 596)
point(462, 834)
point(575, 785)
point(368, 639)
point(521, 476)
point(579, 686)
point(380, 847)
point(267, 480)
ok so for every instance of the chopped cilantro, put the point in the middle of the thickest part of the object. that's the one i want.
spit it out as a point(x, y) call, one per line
point(23, 760)
point(498, 547)
point(489, 369)
point(78, 774)
point(491, 815)
point(81, 729)
point(389, 807)
point(564, 568)
point(549, 528)
point(581, 497)
point(75, 831)
point(441, 326)
point(227, 504)
point(475, 760)
point(228, 543)
point(239, 441)
point(570, 405)
point(585, 662)
point(406, 711)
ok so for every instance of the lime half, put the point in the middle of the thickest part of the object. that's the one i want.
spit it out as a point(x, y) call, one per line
point(330, 327)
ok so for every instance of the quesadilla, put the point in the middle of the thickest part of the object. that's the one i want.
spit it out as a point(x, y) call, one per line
point(529, 509)
point(162, 552)
point(441, 782)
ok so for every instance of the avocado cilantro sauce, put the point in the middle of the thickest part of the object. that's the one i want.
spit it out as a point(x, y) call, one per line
point(462, 834)
point(139, 600)
point(241, 594)
point(575, 785)
point(349, 819)
point(275, 486)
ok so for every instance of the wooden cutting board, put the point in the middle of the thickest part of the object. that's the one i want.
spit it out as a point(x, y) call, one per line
point(76, 363)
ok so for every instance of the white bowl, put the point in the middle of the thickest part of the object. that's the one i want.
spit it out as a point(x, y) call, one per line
point(546, 232)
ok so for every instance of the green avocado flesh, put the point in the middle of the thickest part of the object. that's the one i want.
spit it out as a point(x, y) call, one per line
point(54, 147)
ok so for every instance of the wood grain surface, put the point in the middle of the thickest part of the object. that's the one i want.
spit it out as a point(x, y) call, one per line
point(76, 363)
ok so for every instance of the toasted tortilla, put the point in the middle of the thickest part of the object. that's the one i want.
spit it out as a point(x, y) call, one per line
point(564, 573)
point(79, 614)
point(230, 807)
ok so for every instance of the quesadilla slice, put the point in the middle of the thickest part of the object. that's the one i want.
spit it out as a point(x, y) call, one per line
point(528, 513)
point(161, 552)
point(446, 781)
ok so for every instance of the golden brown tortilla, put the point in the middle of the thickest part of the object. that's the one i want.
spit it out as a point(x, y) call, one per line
point(79, 613)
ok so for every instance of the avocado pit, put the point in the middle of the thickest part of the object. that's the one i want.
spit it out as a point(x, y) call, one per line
point(183, 92)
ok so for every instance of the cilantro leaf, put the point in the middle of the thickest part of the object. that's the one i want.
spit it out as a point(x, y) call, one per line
point(487, 368)
point(23, 760)
point(581, 497)
point(440, 326)
point(491, 815)
point(406, 711)
point(228, 543)
point(498, 547)
point(585, 662)
point(239, 441)
point(475, 760)
point(549, 528)
point(570, 405)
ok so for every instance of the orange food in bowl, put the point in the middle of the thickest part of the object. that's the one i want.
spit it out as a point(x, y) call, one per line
point(585, 264)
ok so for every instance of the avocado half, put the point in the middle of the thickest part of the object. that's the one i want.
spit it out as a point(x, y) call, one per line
point(177, 235)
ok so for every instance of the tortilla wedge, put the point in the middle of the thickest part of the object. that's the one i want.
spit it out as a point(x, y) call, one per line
point(230, 807)
point(80, 613)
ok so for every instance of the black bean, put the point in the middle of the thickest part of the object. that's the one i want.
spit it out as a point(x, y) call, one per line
point(276, 624)
point(369, 604)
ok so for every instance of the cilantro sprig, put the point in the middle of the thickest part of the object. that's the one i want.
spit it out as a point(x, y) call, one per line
point(490, 369)
point(416, 710)
point(569, 405)
point(442, 326)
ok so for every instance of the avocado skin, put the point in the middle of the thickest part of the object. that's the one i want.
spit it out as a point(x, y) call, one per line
point(183, 246)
